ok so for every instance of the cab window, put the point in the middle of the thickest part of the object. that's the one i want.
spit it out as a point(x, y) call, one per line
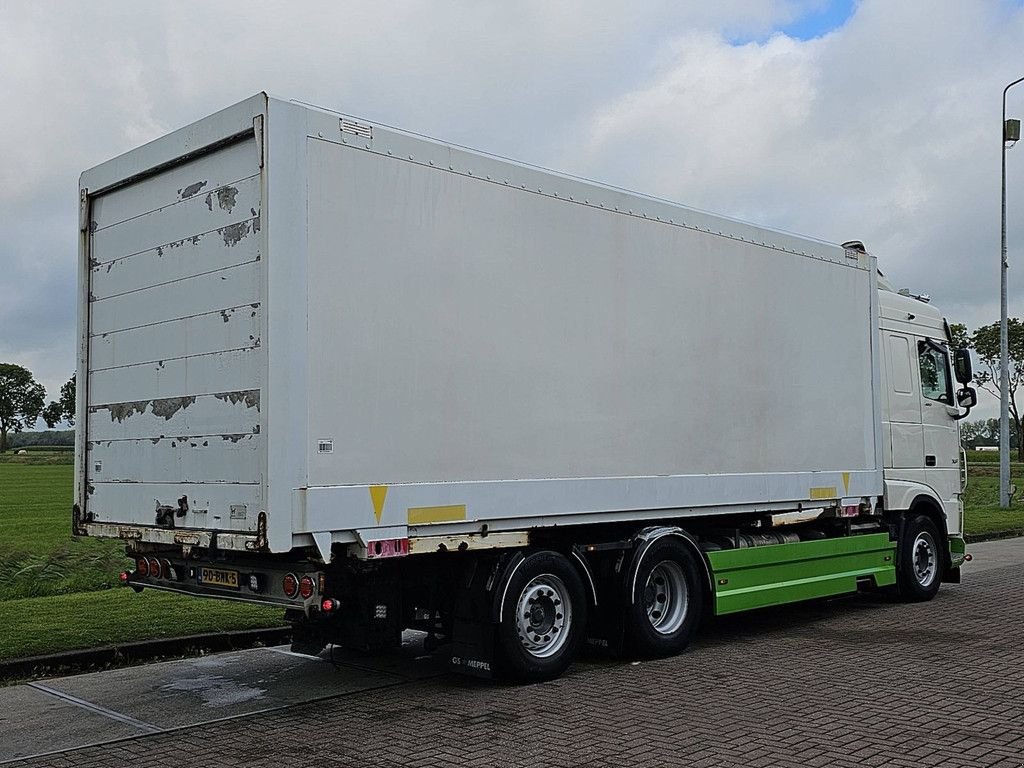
point(936, 383)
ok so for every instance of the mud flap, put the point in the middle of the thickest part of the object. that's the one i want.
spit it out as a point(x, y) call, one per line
point(472, 648)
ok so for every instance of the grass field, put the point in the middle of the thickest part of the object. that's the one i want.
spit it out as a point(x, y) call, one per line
point(38, 555)
point(40, 625)
point(55, 589)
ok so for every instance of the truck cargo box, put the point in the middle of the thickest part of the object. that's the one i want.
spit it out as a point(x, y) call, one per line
point(297, 327)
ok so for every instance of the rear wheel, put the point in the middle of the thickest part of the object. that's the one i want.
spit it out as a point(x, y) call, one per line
point(544, 615)
point(669, 600)
point(920, 561)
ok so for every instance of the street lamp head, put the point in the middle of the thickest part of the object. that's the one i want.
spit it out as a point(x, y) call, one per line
point(1011, 130)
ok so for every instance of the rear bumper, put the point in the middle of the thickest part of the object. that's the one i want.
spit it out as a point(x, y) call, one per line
point(181, 537)
point(248, 580)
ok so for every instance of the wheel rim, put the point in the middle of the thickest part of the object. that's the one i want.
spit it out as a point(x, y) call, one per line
point(666, 597)
point(925, 559)
point(543, 616)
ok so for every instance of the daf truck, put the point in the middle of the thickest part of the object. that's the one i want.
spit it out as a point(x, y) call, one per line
point(385, 382)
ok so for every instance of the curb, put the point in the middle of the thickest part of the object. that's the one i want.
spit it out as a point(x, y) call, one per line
point(976, 538)
point(144, 650)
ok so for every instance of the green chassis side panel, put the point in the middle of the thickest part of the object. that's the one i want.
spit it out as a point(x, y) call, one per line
point(784, 573)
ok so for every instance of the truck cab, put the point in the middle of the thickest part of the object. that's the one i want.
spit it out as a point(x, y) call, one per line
point(920, 410)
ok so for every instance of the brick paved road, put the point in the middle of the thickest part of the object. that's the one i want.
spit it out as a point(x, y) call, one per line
point(856, 682)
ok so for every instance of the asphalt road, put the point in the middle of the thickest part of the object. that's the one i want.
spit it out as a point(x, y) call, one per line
point(860, 681)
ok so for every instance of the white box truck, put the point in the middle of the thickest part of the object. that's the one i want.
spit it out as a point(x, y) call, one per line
point(385, 382)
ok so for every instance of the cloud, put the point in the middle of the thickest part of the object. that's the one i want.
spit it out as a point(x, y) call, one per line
point(881, 129)
point(885, 130)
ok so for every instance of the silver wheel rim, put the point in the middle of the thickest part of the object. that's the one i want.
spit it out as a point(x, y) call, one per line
point(543, 616)
point(923, 554)
point(666, 597)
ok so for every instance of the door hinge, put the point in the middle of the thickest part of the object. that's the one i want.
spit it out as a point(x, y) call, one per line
point(83, 209)
point(257, 129)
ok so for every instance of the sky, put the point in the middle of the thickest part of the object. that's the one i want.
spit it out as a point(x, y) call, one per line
point(873, 120)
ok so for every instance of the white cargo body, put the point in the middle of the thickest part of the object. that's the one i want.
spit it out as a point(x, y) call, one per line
point(297, 328)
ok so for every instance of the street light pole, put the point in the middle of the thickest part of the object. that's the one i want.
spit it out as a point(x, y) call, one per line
point(1004, 338)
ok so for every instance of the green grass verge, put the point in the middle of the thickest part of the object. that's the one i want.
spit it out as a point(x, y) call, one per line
point(982, 515)
point(38, 555)
point(35, 457)
point(42, 625)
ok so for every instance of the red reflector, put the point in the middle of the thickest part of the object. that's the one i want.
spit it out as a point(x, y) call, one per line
point(125, 576)
point(968, 557)
point(290, 585)
point(142, 566)
point(154, 568)
point(168, 569)
point(306, 588)
point(328, 605)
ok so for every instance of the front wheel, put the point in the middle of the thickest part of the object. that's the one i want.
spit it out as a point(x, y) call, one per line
point(544, 616)
point(919, 562)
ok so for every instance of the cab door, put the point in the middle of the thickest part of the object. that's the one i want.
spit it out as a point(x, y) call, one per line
point(905, 426)
point(938, 409)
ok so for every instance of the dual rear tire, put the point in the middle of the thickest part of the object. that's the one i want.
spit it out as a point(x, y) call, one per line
point(544, 609)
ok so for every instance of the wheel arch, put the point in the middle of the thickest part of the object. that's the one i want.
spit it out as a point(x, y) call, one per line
point(507, 571)
point(646, 539)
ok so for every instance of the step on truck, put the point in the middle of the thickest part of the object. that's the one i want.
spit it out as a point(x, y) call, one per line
point(386, 383)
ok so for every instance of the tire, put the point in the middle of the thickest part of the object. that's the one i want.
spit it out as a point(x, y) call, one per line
point(919, 561)
point(669, 604)
point(544, 619)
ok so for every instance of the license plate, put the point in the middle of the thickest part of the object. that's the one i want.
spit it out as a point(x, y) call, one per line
point(217, 577)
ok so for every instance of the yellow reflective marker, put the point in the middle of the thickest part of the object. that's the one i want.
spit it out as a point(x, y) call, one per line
point(824, 493)
point(377, 495)
point(423, 515)
point(846, 482)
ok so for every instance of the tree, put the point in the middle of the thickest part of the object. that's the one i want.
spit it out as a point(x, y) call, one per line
point(983, 432)
point(985, 343)
point(63, 409)
point(21, 400)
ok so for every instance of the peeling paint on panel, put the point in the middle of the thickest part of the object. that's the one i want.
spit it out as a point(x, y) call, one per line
point(168, 406)
point(234, 233)
point(191, 189)
point(256, 224)
point(121, 411)
point(225, 198)
point(163, 407)
point(251, 398)
point(193, 240)
point(226, 314)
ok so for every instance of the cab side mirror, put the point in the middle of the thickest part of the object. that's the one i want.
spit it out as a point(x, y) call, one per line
point(962, 365)
point(967, 397)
